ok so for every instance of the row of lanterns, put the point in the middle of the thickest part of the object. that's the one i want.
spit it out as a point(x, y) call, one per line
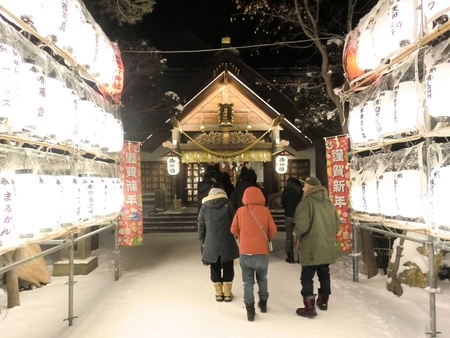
point(57, 192)
point(38, 106)
point(68, 25)
point(389, 26)
point(395, 186)
point(408, 106)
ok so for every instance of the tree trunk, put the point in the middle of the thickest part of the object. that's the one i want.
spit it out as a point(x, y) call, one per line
point(368, 253)
point(12, 279)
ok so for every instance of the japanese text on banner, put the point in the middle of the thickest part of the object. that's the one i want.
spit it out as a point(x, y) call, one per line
point(130, 227)
point(338, 173)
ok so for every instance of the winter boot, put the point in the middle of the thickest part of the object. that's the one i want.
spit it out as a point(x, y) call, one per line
point(219, 291)
point(227, 294)
point(262, 304)
point(309, 310)
point(250, 307)
point(290, 258)
point(322, 302)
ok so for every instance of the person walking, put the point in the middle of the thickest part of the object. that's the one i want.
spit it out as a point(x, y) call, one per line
point(290, 198)
point(316, 225)
point(219, 245)
point(254, 226)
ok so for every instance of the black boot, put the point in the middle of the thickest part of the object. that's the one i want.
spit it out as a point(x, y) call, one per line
point(290, 257)
point(262, 304)
point(250, 307)
point(322, 302)
point(309, 310)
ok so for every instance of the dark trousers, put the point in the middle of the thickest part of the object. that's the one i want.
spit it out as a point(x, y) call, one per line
point(222, 271)
point(307, 275)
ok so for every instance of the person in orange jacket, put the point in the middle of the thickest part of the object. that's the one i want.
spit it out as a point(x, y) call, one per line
point(253, 225)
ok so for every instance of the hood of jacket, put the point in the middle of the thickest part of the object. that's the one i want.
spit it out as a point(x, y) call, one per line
point(253, 195)
point(216, 200)
point(318, 192)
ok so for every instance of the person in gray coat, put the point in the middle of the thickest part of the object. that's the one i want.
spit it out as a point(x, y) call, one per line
point(219, 245)
point(316, 225)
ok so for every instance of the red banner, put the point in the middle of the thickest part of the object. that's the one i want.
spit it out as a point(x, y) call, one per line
point(338, 172)
point(130, 229)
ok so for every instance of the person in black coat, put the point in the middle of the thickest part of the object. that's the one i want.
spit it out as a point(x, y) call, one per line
point(290, 198)
point(219, 245)
point(247, 179)
point(203, 188)
point(227, 185)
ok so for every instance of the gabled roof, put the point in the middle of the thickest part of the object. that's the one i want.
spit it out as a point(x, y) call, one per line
point(264, 97)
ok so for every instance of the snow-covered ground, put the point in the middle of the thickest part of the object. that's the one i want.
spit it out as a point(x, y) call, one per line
point(165, 291)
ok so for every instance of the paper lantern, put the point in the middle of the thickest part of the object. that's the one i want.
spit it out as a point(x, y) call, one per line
point(32, 97)
point(86, 199)
point(354, 125)
point(406, 108)
point(436, 12)
point(383, 43)
point(27, 189)
point(369, 192)
point(87, 133)
point(23, 10)
point(75, 20)
point(86, 51)
point(99, 195)
point(386, 194)
point(50, 19)
point(281, 164)
point(67, 131)
point(173, 165)
point(10, 68)
point(7, 207)
point(437, 98)
point(439, 211)
point(351, 66)
point(356, 194)
point(48, 202)
point(365, 52)
point(114, 89)
point(408, 192)
point(369, 131)
point(384, 109)
point(70, 200)
point(403, 18)
point(56, 104)
point(104, 67)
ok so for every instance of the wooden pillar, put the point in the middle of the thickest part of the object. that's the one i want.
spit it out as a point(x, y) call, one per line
point(176, 138)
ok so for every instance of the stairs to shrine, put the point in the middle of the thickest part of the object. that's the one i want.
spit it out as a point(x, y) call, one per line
point(170, 221)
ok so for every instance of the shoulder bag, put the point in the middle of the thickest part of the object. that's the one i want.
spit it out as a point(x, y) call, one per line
point(269, 243)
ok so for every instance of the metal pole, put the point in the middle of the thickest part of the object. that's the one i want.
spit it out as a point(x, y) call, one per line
point(116, 252)
point(355, 254)
point(432, 289)
point(71, 282)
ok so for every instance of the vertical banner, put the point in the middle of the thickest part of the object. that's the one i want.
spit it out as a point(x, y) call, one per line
point(131, 223)
point(338, 172)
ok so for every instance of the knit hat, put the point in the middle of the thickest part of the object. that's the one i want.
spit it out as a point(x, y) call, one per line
point(311, 181)
point(216, 191)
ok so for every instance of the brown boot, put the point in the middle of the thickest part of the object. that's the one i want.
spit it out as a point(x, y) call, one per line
point(219, 291)
point(309, 310)
point(227, 294)
point(322, 302)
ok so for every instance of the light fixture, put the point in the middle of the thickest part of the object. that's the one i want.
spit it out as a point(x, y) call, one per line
point(173, 165)
point(281, 164)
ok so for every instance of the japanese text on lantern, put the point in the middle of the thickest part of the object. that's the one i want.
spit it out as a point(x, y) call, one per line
point(130, 220)
point(339, 187)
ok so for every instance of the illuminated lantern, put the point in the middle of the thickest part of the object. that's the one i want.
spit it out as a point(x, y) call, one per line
point(354, 125)
point(115, 89)
point(384, 109)
point(48, 202)
point(351, 66)
point(436, 93)
point(116, 142)
point(86, 123)
point(67, 120)
point(406, 108)
point(70, 200)
point(10, 68)
point(104, 67)
point(86, 199)
point(56, 104)
point(369, 191)
point(173, 165)
point(435, 12)
point(365, 52)
point(408, 192)
point(281, 164)
point(383, 43)
point(439, 211)
point(32, 96)
point(386, 194)
point(356, 193)
point(23, 10)
point(403, 18)
point(369, 130)
point(50, 19)
point(75, 20)
point(99, 195)
point(27, 188)
point(7, 207)
point(86, 51)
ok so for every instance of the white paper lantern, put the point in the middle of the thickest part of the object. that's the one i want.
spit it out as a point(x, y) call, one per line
point(100, 191)
point(86, 199)
point(403, 18)
point(281, 164)
point(23, 10)
point(173, 165)
point(104, 67)
point(70, 200)
point(408, 193)
point(7, 207)
point(406, 108)
point(354, 125)
point(435, 12)
point(48, 202)
point(356, 193)
point(32, 97)
point(50, 19)
point(86, 123)
point(27, 189)
point(56, 104)
point(439, 210)
point(383, 42)
point(71, 38)
point(365, 52)
point(10, 68)
point(67, 131)
point(386, 194)
point(369, 192)
point(87, 49)
point(115, 136)
point(384, 109)
point(369, 130)
point(437, 97)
